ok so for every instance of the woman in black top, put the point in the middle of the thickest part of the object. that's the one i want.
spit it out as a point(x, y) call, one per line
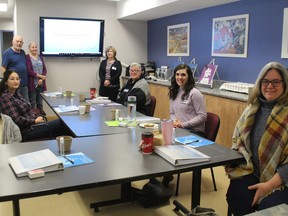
point(110, 71)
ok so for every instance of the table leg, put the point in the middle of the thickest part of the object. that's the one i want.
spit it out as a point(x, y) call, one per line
point(125, 197)
point(196, 188)
point(16, 207)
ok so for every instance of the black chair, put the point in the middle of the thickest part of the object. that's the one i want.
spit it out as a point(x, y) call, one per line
point(212, 125)
point(152, 106)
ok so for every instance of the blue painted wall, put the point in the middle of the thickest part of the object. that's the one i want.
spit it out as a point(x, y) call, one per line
point(264, 38)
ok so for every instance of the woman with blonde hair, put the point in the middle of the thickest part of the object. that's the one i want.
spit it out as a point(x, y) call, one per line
point(110, 71)
point(261, 136)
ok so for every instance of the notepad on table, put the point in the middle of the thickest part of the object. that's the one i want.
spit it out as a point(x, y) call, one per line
point(75, 159)
point(193, 141)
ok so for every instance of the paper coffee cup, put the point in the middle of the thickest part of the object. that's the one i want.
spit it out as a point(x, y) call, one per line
point(67, 143)
point(68, 93)
point(82, 97)
point(82, 110)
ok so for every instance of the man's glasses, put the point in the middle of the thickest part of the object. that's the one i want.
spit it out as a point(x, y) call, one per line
point(275, 82)
point(135, 70)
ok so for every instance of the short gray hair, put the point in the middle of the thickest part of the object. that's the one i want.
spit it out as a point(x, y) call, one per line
point(136, 65)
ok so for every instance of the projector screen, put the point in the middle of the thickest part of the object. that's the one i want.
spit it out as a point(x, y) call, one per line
point(71, 37)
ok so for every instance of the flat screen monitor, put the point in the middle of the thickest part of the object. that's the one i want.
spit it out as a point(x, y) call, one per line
point(71, 37)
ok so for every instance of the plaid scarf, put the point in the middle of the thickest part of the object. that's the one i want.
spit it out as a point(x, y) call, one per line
point(273, 148)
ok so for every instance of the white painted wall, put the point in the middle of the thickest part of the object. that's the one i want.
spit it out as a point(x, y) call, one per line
point(77, 74)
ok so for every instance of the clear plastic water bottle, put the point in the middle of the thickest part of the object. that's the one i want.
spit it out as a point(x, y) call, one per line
point(131, 111)
point(62, 150)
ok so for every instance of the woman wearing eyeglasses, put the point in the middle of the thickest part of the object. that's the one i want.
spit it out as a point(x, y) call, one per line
point(261, 136)
point(136, 86)
point(13, 104)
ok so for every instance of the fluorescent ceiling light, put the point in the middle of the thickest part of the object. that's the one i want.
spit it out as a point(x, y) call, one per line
point(3, 6)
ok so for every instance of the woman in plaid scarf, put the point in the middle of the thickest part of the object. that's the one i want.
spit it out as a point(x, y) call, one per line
point(261, 136)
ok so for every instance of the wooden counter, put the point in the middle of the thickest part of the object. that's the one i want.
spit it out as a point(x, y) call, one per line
point(228, 105)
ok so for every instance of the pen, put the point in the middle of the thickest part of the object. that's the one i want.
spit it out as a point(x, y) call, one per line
point(192, 142)
point(71, 161)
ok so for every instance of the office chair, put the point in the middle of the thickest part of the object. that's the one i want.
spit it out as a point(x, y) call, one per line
point(152, 106)
point(212, 125)
point(11, 132)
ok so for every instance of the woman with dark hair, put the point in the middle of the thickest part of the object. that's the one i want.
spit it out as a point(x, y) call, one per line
point(187, 104)
point(261, 136)
point(14, 105)
point(110, 71)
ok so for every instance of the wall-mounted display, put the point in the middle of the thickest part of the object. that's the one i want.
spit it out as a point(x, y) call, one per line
point(178, 37)
point(284, 52)
point(71, 37)
point(230, 36)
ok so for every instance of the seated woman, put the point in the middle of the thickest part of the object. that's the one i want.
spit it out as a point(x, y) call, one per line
point(187, 104)
point(14, 105)
point(136, 86)
point(261, 136)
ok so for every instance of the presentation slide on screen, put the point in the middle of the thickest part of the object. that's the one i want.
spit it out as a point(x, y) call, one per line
point(71, 36)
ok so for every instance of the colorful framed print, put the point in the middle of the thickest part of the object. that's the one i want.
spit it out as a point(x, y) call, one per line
point(230, 36)
point(178, 37)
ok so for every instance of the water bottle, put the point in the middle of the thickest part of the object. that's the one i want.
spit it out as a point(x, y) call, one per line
point(62, 147)
point(131, 111)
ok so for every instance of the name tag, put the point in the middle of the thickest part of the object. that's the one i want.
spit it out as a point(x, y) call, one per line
point(184, 102)
point(125, 90)
point(114, 68)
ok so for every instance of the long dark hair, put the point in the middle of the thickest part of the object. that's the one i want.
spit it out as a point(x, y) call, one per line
point(174, 88)
point(5, 78)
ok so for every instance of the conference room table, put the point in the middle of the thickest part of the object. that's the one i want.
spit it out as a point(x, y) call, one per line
point(89, 124)
point(118, 160)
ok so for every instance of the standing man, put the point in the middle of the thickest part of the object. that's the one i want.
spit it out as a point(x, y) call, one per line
point(14, 59)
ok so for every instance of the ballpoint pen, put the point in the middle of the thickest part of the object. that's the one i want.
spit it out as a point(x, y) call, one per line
point(71, 161)
point(192, 142)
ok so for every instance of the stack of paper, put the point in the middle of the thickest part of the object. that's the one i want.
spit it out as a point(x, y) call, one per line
point(53, 94)
point(99, 101)
point(144, 119)
point(64, 109)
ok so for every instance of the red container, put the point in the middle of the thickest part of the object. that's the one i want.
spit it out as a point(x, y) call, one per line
point(92, 93)
point(147, 142)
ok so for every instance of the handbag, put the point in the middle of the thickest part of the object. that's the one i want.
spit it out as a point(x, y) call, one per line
point(152, 194)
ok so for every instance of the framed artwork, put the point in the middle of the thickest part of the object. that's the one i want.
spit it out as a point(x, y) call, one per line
point(284, 52)
point(230, 36)
point(178, 37)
